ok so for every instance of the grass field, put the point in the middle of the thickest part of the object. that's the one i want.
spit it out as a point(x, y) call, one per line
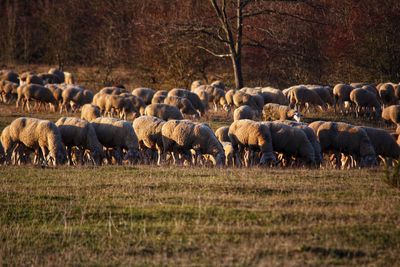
point(146, 215)
point(149, 215)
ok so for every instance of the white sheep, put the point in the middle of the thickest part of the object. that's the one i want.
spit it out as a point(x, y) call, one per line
point(244, 112)
point(163, 111)
point(90, 112)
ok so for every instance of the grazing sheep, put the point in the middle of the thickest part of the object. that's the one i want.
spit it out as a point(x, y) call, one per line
point(387, 94)
point(80, 133)
point(49, 78)
point(144, 93)
point(10, 76)
point(272, 111)
point(148, 131)
point(137, 103)
point(113, 90)
point(118, 135)
point(384, 143)
point(117, 103)
point(34, 79)
point(244, 112)
point(90, 112)
point(372, 89)
point(76, 95)
point(324, 93)
point(311, 137)
point(36, 92)
point(222, 134)
point(99, 100)
point(339, 137)
point(230, 159)
point(182, 136)
point(214, 94)
point(163, 111)
point(291, 141)
point(8, 90)
point(159, 97)
point(252, 135)
point(194, 98)
point(341, 93)
point(58, 73)
point(392, 114)
point(219, 84)
point(202, 94)
point(228, 103)
point(183, 104)
point(362, 98)
point(37, 135)
point(240, 98)
point(300, 96)
point(273, 95)
point(56, 91)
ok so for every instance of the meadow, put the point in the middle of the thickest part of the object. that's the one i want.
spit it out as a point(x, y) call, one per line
point(174, 215)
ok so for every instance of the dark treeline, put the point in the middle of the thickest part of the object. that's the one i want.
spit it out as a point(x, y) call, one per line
point(176, 41)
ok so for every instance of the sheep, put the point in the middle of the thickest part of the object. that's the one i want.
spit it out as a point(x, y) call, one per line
point(384, 143)
point(387, 94)
point(219, 84)
point(358, 85)
point(38, 93)
point(159, 96)
point(58, 73)
point(291, 141)
point(203, 95)
point(69, 78)
point(119, 104)
point(392, 114)
point(257, 96)
point(49, 78)
point(214, 94)
point(194, 98)
point(324, 93)
point(56, 91)
point(362, 98)
point(182, 136)
point(227, 103)
point(244, 112)
point(273, 95)
point(163, 111)
point(99, 100)
point(144, 93)
point(300, 96)
point(148, 131)
point(10, 76)
point(118, 135)
point(90, 112)
point(311, 137)
point(76, 95)
point(272, 111)
point(372, 89)
point(339, 137)
point(23, 77)
point(240, 98)
point(8, 90)
point(37, 135)
point(341, 93)
point(80, 133)
point(230, 159)
point(34, 79)
point(183, 104)
point(254, 136)
point(222, 134)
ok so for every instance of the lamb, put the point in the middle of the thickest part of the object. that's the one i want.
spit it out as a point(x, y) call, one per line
point(385, 145)
point(90, 112)
point(182, 136)
point(148, 131)
point(163, 111)
point(339, 137)
point(144, 93)
point(118, 135)
point(194, 98)
point(252, 135)
point(159, 97)
point(362, 98)
point(184, 105)
point(387, 94)
point(272, 111)
point(80, 133)
point(37, 135)
point(311, 137)
point(38, 93)
point(222, 134)
point(341, 93)
point(244, 112)
point(300, 96)
point(58, 73)
point(392, 114)
point(291, 141)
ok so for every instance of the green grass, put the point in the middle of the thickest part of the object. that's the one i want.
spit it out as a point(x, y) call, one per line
point(146, 215)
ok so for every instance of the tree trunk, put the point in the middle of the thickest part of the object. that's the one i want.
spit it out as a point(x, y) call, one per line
point(237, 70)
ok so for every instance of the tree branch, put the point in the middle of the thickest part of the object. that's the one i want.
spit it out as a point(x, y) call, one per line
point(214, 54)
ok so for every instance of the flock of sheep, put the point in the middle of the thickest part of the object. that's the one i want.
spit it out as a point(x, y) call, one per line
point(266, 128)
